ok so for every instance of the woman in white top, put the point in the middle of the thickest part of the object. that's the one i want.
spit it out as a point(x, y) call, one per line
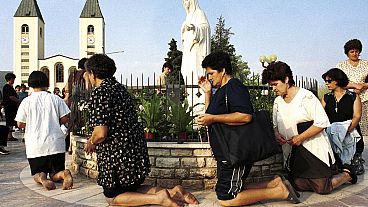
point(41, 114)
point(357, 71)
point(312, 161)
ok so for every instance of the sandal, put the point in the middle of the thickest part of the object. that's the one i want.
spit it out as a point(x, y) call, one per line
point(292, 197)
point(352, 174)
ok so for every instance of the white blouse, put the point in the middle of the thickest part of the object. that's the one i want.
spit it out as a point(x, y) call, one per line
point(305, 106)
point(356, 74)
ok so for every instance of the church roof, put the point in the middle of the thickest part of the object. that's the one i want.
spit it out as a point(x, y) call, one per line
point(91, 10)
point(28, 8)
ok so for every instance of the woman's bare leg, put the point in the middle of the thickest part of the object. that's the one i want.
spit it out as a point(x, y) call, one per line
point(339, 179)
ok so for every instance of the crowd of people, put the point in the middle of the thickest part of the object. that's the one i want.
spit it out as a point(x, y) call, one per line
point(322, 140)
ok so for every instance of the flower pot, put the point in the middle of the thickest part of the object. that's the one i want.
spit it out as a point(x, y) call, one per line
point(148, 135)
point(182, 137)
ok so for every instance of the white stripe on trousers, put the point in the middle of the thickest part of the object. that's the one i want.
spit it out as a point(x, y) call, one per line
point(236, 180)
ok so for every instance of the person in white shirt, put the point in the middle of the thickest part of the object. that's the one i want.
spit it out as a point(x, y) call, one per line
point(41, 114)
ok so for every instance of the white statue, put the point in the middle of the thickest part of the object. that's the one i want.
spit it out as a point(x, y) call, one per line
point(196, 45)
point(196, 41)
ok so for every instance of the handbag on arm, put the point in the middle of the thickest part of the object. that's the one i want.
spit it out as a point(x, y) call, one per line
point(247, 143)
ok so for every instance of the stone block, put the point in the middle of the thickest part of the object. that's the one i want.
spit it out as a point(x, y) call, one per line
point(167, 183)
point(276, 168)
point(181, 152)
point(158, 152)
point(181, 173)
point(200, 173)
point(74, 167)
point(209, 183)
point(149, 181)
point(202, 153)
point(255, 171)
point(83, 171)
point(211, 162)
point(167, 162)
point(84, 155)
point(152, 161)
point(192, 184)
point(267, 161)
point(192, 162)
point(265, 170)
point(162, 173)
point(80, 145)
point(91, 165)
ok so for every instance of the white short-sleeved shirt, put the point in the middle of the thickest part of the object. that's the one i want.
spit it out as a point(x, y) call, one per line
point(356, 74)
point(305, 106)
point(41, 111)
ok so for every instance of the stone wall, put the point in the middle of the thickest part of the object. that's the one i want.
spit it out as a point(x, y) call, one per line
point(190, 165)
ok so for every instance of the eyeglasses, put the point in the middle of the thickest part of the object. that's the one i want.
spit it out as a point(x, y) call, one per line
point(328, 81)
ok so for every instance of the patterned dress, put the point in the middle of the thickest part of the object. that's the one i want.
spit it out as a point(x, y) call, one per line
point(358, 74)
point(122, 158)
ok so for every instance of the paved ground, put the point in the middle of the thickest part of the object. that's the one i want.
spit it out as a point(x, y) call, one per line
point(18, 189)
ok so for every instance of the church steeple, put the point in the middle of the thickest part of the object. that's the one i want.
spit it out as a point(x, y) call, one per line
point(28, 8)
point(91, 10)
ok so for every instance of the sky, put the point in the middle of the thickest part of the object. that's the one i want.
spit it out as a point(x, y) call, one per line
point(309, 35)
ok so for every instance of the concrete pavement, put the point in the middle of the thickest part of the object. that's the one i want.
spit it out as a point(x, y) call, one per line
point(17, 188)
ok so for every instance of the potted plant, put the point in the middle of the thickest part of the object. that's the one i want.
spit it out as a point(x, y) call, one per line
point(151, 114)
point(181, 119)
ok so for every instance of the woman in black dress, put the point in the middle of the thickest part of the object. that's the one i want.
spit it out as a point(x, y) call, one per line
point(341, 104)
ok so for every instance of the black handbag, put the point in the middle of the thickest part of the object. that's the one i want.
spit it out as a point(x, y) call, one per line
point(248, 143)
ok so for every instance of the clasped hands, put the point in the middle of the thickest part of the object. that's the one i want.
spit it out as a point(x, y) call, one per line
point(295, 140)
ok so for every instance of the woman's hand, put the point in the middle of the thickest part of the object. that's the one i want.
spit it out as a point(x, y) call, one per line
point(89, 148)
point(295, 140)
point(205, 85)
point(205, 119)
point(279, 138)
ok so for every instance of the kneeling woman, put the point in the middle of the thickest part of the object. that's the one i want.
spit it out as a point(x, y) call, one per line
point(308, 154)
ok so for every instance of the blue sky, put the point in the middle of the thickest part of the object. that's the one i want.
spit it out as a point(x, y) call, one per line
point(308, 35)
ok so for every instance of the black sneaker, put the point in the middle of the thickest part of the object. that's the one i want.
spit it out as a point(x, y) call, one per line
point(358, 164)
point(3, 151)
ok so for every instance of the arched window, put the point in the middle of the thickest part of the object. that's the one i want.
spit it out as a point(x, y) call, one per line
point(72, 69)
point(25, 29)
point(90, 29)
point(59, 72)
point(45, 70)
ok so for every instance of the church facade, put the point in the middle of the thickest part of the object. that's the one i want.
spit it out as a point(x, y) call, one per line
point(29, 43)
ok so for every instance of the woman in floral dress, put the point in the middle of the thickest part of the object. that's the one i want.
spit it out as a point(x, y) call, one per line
point(117, 138)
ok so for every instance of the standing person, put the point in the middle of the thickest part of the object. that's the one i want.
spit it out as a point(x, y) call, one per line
point(118, 139)
point(10, 101)
point(311, 159)
point(162, 79)
point(22, 94)
point(229, 188)
point(343, 107)
point(76, 89)
point(41, 114)
point(57, 91)
point(357, 70)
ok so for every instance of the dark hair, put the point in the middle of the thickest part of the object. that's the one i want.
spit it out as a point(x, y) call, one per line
point(167, 65)
point(23, 86)
point(277, 71)
point(81, 63)
point(218, 60)
point(353, 44)
point(337, 75)
point(101, 66)
point(38, 79)
point(9, 76)
point(17, 86)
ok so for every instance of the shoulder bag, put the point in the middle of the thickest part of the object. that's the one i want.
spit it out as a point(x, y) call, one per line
point(248, 143)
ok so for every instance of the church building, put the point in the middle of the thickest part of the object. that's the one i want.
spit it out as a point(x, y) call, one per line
point(29, 43)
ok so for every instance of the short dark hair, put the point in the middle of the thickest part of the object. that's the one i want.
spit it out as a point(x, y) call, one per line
point(277, 71)
point(38, 79)
point(23, 86)
point(167, 65)
point(218, 60)
point(81, 63)
point(337, 75)
point(17, 86)
point(353, 44)
point(101, 66)
point(9, 76)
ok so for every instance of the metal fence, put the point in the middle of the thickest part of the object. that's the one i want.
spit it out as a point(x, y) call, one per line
point(161, 100)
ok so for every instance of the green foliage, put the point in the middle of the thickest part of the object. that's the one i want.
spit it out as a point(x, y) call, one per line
point(181, 116)
point(151, 112)
point(174, 56)
point(260, 100)
point(220, 41)
point(322, 90)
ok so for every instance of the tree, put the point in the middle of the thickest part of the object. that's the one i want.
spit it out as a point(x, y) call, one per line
point(174, 57)
point(220, 41)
